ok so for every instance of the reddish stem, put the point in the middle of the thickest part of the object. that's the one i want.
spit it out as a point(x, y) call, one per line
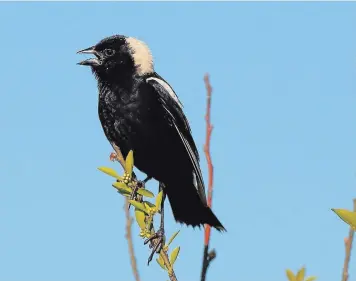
point(209, 129)
point(208, 256)
point(348, 246)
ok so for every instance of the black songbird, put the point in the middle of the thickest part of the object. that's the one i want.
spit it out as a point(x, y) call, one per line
point(139, 111)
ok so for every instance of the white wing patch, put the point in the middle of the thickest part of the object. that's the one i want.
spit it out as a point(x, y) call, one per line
point(168, 89)
point(195, 180)
point(197, 176)
point(197, 173)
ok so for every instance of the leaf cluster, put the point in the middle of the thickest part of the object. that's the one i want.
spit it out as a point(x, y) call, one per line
point(145, 211)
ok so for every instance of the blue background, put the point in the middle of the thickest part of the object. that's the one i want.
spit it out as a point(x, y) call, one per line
point(284, 77)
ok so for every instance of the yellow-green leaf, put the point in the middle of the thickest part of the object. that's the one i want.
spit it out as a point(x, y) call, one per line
point(161, 262)
point(150, 204)
point(122, 187)
point(124, 193)
point(174, 255)
point(145, 192)
point(120, 184)
point(301, 274)
point(290, 275)
point(172, 238)
point(129, 163)
point(110, 172)
point(140, 218)
point(347, 216)
point(311, 278)
point(159, 200)
point(138, 205)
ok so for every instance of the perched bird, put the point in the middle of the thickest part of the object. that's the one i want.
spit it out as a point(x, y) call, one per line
point(139, 111)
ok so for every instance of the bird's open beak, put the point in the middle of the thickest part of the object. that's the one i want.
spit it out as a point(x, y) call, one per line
point(92, 61)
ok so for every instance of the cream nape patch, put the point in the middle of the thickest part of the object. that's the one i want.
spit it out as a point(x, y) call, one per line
point(141, 55)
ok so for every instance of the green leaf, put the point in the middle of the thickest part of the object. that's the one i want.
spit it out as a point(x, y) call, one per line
point(347, 216)
point(290, 275)
point(150, 204)
point(159, 200)
point(129, 163)
point(124, 193)
point(120, 184)
point(140, 218)
point(122, 187)
point(110, 172)
point(174, 255)
point(172, 238)
point(311, 278)
point(145, 192)
point(161, 262)
point(138, 205)
point(301, 274)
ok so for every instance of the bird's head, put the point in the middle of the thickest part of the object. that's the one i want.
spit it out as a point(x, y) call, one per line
point(119, 55)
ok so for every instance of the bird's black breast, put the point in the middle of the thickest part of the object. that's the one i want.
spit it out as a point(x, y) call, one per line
point(126, 115)
point(135, 120)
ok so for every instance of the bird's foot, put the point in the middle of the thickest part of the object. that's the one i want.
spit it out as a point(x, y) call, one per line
point(133, 195)
point(158, 240)
point(113, 156)
point(139, 184)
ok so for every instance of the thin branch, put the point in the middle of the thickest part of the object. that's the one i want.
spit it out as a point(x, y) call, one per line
point(167, 263)
point(348, 247)
point(209, 129)
point(129, 240)
point(120, 158)
point(208, 256)
point(172, 276)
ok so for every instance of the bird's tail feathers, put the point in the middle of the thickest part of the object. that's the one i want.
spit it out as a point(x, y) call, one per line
point(188, 208)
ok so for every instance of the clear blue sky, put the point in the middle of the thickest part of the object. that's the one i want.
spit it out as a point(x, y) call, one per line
point(284, 143)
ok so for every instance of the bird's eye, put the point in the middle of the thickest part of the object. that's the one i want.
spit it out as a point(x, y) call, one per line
point(109, 52)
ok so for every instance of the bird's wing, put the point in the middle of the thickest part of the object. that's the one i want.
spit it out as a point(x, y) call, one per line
point(174, 110)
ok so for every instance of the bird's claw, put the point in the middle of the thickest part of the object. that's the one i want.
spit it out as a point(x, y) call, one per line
point(133, 195)
point(158, 245)
point(159, 234)
point(139, 184)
